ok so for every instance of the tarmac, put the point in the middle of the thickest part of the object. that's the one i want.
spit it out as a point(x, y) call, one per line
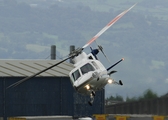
point(95, 117)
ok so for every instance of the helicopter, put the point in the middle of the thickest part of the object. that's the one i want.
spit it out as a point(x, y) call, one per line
point(89, 74)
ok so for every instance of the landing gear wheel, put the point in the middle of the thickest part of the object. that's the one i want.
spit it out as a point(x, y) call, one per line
point(93, 93)
point(90, 103)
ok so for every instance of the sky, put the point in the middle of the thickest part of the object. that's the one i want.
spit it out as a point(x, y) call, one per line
point(138, 74)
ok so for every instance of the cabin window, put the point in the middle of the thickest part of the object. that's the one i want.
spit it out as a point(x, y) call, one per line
point(76, 75)
point(86, 68)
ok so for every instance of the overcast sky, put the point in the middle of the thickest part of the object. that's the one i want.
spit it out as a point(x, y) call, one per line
point(138, 74)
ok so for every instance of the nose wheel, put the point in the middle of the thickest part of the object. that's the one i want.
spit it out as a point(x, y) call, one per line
point(92, 95)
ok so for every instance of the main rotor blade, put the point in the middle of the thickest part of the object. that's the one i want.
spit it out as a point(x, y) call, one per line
point(27, 78)
point(107, 26)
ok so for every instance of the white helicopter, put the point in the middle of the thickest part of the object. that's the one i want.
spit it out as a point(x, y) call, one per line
point(89, 74)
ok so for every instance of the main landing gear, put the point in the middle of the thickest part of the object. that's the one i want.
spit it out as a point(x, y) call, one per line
point(92, 95)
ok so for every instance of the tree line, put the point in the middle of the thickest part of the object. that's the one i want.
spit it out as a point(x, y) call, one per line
point(148, 94)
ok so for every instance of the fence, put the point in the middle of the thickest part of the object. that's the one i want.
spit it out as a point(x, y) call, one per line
point(128, 117)
point(157, 106)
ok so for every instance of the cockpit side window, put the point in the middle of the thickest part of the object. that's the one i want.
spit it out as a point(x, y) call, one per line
point(96, 66)
point(76, 75)
point(86, 68)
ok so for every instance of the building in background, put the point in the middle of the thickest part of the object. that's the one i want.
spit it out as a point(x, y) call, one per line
point(50, 93)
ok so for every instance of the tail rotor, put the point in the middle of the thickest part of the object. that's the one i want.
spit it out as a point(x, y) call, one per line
point(101, 49)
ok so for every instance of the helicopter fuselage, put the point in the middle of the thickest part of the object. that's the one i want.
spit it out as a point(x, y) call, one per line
point(89, 74)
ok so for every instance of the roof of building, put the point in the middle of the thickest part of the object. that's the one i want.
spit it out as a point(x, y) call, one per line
point(20, 68)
